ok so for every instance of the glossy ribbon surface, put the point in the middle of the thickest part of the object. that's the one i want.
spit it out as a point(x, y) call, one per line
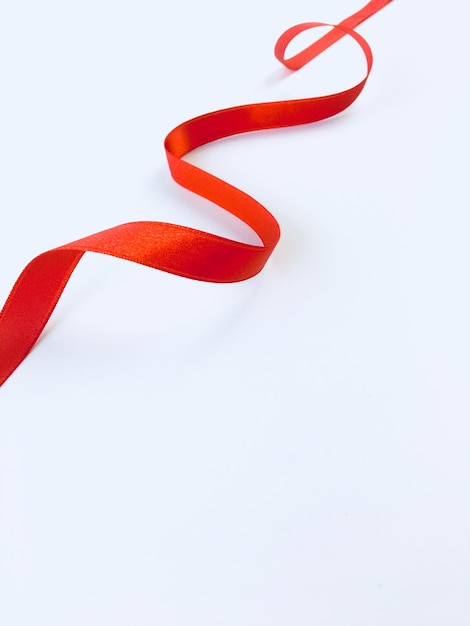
point(179, 249)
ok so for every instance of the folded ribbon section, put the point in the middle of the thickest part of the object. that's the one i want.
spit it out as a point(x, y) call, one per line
point(178, 249)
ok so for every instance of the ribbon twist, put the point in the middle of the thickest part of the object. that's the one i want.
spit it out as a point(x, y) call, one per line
point(178, 249)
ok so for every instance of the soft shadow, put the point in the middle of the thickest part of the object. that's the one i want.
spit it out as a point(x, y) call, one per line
point(277, 76)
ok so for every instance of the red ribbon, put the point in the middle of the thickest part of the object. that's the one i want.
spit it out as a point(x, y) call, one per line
point(178, 249)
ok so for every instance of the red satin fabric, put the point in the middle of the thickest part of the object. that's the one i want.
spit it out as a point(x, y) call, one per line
point(178, 249)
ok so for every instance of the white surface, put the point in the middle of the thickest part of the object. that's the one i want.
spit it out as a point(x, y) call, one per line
point(289, 450)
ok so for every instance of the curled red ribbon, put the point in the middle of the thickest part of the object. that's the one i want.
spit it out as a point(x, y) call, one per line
point(179, 249)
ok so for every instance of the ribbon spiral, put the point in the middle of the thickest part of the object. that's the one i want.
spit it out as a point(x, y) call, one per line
point(178, 249)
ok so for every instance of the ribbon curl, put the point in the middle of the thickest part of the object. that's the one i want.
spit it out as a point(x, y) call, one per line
point(178, 249)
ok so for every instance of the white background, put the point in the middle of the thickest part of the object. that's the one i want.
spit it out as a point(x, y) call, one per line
point(289, 450)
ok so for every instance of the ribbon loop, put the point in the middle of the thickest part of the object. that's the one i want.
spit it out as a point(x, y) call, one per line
point(313, 50)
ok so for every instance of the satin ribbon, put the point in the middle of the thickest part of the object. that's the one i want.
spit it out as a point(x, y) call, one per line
point(177, 249)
